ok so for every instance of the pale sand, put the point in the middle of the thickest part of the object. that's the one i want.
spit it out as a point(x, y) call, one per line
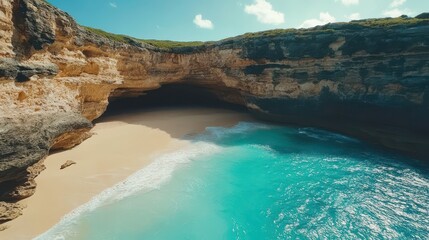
point(122, 144)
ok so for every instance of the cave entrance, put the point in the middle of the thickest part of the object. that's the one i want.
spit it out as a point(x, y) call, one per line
point(169, 96)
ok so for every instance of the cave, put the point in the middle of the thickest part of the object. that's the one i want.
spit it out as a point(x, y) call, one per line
point(378, 126)
point(169, 96)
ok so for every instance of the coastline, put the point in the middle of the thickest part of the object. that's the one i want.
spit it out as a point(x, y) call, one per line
point(121, 145)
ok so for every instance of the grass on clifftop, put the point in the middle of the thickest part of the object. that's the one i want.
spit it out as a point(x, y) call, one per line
point(388, 22)
point(165, 44)
point(171, 44)
point(276, 32)
point(376, 22)
point(111, 36)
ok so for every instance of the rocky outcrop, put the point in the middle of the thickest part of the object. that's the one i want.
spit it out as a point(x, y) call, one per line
point(67, 164)
point(369, 79)
point(9, 211)
point(27, 140)
point(24, 143)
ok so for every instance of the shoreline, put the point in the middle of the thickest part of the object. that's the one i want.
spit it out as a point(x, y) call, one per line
point(135, 138)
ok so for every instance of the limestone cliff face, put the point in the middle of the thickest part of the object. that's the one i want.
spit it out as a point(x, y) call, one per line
point(369, 79)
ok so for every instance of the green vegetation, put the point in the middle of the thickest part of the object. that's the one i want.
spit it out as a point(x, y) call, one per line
point(269, 33)
point(277, 32)
point(388, 22)
point(164, 44)
point(111, 36)
point(376, 22)
point(171, 44)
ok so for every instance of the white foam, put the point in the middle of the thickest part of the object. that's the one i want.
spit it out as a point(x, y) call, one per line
point(147, 179)
point(151, 177)
point(220, 132)
point(326, 135)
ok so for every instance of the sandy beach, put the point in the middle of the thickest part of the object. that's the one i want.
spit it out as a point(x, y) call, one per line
point(121, 145)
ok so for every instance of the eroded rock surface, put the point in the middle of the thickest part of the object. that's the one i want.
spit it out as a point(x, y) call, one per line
point(67, 164)
point(369, 79)
point(9, 211)
point(25, 141)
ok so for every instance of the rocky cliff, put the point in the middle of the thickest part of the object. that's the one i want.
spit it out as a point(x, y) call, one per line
point(369, 79)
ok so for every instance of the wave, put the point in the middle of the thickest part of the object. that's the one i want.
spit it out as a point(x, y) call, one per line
point(218, 133)
point(152, 176)
point(149, 178)
point(326, 135)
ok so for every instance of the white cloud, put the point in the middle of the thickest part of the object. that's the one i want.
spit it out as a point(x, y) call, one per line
point(392, 13)
point(354, 16)
point(349, 2)
point(395, 12)
point(397, 3)
point(203, 23)
point(264, 12)
point(113, 5)
point(324, 18)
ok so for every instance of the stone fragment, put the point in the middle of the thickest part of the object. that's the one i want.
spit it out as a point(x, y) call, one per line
point(67, 164)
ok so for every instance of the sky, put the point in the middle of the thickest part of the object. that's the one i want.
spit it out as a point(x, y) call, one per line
point(208, 20)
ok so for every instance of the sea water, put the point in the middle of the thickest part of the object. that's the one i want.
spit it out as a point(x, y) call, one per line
point(258, 181)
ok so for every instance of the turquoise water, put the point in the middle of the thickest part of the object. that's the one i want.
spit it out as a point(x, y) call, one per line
point(256, 181)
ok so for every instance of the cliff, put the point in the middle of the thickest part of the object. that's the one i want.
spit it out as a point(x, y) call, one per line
point(369, 79)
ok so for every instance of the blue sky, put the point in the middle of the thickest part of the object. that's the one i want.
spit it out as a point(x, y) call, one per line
point(189, 20)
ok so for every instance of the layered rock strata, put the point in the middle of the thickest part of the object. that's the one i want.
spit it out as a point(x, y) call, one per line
point(369, 79)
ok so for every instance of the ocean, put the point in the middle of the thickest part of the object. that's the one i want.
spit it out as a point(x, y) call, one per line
point(261, 181)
